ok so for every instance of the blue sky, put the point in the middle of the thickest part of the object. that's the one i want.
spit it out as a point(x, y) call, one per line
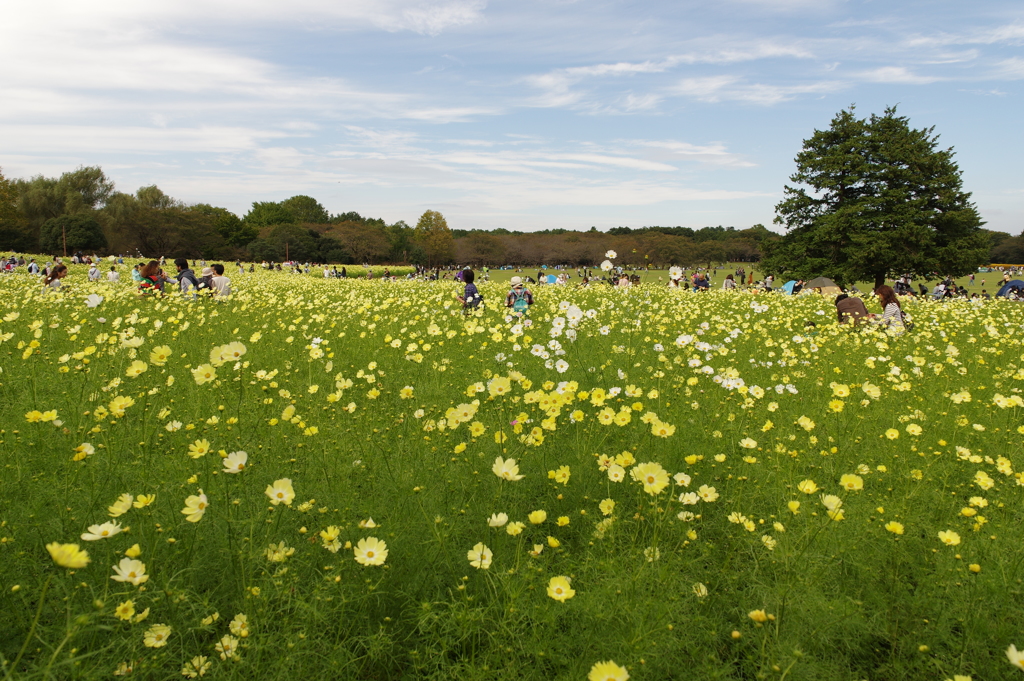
point(519, 114)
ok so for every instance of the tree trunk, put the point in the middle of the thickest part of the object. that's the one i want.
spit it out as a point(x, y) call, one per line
point(879, 280)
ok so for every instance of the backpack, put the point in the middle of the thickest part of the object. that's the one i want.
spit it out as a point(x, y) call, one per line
point(519, 303)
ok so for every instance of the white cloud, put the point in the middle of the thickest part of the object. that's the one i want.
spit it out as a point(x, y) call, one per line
point(732, 88)
point(429, 17)
point(895, 74)
point(1009, 69)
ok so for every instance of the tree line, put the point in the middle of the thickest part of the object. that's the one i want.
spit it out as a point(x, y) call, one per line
point(871, 197)
point(82, 211)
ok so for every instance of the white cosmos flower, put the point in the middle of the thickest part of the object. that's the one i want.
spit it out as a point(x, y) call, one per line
point(93, 300)
point(497, 519)
point(235, 462)
point(561, 366)
point(606, 266)
point(104, 531)
point(611, 254)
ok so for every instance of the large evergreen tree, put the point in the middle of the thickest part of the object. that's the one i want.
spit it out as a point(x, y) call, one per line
point(877, 198)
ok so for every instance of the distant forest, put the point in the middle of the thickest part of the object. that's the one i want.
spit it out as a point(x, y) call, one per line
point(82, 210)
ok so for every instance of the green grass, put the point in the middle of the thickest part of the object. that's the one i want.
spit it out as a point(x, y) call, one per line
point(848, 599)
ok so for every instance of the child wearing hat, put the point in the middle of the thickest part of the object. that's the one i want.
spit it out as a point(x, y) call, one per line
point(519, 298)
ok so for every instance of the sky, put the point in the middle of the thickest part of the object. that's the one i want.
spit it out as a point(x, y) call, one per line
point(521, 114)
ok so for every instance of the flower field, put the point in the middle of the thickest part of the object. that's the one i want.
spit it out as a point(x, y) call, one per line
point(352, 480)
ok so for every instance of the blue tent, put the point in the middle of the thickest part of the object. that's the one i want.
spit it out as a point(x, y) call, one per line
point(552, 279)
point(788, 286)
point(1013, 283)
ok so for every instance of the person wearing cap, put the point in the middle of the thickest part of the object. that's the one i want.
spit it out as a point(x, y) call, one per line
point(519, 298)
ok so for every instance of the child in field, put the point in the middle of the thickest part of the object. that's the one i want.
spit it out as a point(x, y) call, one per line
point(470, 297)
point(519, 299)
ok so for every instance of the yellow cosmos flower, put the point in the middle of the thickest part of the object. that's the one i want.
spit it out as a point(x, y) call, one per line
point(121, 506)
point(652, 476)
point(561, 475)
point(144, 500)
point(135, 369)
point(199, 448)
point(560, 589)
point(537, 517)
point(130, 570)
point(506, 469)
point(480, 556)
point(607, 671)
point(125, 610)
point(759, 616)
point(204, 373)
point(68, 555)
point(83, 450)
point(156, 636)
point(807, 486)
point(851, 482)
point(371, 551)
point(195, 507)
point(119, 404)
point(949, 538)
point(894, 527)
point(281, 492)
point(159, 355)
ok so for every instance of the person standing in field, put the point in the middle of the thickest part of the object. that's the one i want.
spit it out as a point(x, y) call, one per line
point(470, 297)
point(113, 274)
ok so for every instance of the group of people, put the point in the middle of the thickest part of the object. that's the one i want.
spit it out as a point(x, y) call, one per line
point(152, 279)
point(851, 310)
point(518, 300)
point(149, 277)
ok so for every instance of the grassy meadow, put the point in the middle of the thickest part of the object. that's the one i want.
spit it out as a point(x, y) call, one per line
point(350, 479)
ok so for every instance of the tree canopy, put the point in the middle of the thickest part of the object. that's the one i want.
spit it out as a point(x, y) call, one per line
point(70, 233)
point(306, 209)
point(876, 197)
point(268, 213)
point(435, 238)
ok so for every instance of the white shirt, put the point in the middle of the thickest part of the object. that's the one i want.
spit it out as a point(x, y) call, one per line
point(113, 276)
point(222, 285)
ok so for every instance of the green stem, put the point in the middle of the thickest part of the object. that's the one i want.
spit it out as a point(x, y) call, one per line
point(32, 629)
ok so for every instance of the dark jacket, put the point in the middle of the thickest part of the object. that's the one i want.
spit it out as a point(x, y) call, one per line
point(851, 309)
